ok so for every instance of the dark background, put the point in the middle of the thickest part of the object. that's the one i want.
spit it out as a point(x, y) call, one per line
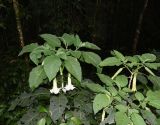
point(111, 24)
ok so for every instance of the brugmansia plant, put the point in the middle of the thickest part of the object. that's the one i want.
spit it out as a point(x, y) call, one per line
point(57, 54)
point(128, 97)
point(57, 58)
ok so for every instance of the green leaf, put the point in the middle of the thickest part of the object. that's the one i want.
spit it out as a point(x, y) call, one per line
point(153, 65)
point(121, 118)
point(137, 119)
point(105, 79)
point(52, 65)
point(132, 59)
point(154, 98)
point(139, 96)
point(121, 80)
point(61, 53)
point(31, 117)
point(119, 55)
point(122, 108)
point(147, 57)
point(36, 54)
point(52, 40)
point(111, 61)
point(131, 111)
point(42, 121)
point(78, 41)
point(90, 46)
point(112, 90)
point(57, 106)
point(82, 116)
point(76, 54)
point(36, 77)
point(68, 39)
point(95, 87)
point(149, 117)
point(76, 121)
point(142, 79)
point(28, 48)
point(101, 101)
point(110, 117)
point(91, 58)
point(73, 66)
point(155, 80)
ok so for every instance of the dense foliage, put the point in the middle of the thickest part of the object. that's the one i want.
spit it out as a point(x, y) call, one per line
point(59, 94)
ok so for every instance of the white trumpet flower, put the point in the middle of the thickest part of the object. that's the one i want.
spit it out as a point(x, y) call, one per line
point(63, 88)
point(69, 85)
point(55, 89)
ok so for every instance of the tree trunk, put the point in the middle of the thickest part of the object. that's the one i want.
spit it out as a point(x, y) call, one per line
point(138, 29)
point(18, 21)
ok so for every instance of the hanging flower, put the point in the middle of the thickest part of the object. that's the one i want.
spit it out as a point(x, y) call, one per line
point(55, 89)
point(69, 85)
point(63, 88)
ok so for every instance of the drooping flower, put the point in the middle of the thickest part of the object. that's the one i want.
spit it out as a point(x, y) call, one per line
point(69, 85)
point(63, 88)
point(55, 89)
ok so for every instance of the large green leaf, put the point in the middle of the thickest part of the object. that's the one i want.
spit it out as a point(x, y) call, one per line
point(155, 80)
point(105, 79)
point(101, 101)
point(147, 57)
point(77, 43)
point(111, 61)
point(149, 116)
point(137, 119)
point(57, 106)
point(52, 40)
point(154, 98)
point(122, 108)
point(121, 80)
point(90, 46)
point(51, 66)
point(132, 59)
point(73, 66)
point(68, 39)
point(142, 79)
point(36, 54)
point(139, 96)
point(91, 58)
point(31, 117)
point(121, 118)
point(61, 53)
point(110, 117)
point(76, 54)
point(28, 48)
point(153, 65)
point(119, 55)
point(82, 116)
point(95, 87)
point(36, 77)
